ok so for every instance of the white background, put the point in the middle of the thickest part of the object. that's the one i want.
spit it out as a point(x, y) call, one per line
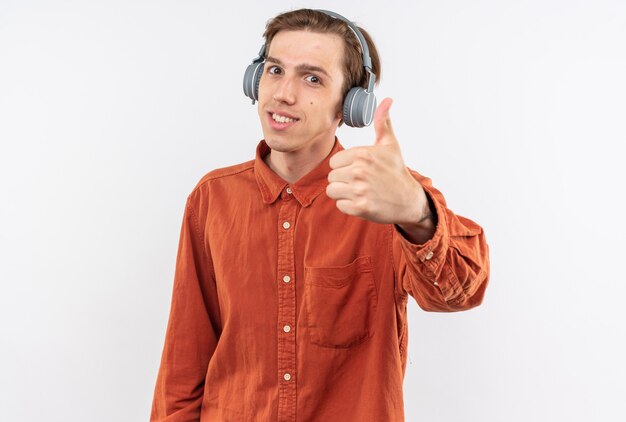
point(111, 111)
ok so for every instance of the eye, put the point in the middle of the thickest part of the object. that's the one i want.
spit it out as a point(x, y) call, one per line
point(274, 70)
point(314, 79)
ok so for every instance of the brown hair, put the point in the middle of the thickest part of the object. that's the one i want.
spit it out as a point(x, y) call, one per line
point(316, 21)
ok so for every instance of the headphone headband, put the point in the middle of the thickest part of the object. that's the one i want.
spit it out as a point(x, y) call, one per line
point(367, 61)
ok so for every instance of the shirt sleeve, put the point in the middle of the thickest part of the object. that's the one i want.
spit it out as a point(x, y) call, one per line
point(192, 332)
point(449, 272)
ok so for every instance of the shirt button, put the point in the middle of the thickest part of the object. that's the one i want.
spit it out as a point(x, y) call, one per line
point(429, 255)
point(287, 376)
point(286, 279)
point(286, 225)
point(289, 191)
point(286, 328)
point(436, 284)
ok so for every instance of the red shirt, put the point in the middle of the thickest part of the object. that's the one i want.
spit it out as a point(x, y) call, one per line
point(286, 309)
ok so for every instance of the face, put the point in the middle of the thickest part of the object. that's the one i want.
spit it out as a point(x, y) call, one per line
point(300, 96)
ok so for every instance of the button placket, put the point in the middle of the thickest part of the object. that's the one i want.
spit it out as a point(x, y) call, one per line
point(287, 213)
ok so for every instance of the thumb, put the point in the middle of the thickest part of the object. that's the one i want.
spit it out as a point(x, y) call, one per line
point(382, 124)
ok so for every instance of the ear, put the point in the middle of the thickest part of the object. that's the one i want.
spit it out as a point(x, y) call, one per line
point(339, 116)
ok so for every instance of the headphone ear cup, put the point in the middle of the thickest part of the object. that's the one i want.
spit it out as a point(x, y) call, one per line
point(251, 80)
point(358, 107)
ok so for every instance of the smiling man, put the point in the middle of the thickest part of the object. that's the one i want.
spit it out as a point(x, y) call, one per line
point(294, 269)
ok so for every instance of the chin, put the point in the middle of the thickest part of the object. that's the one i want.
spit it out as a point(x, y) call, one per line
point(280, 145)
point(279, 141)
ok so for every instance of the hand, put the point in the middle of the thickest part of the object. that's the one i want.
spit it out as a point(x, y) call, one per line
point(372, 182)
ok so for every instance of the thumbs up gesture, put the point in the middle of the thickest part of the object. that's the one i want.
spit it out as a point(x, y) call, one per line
point(372, 182)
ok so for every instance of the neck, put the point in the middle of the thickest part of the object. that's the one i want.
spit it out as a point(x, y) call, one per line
point(292, 165)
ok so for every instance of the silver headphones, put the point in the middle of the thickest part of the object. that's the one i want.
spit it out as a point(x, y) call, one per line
point(358, 105)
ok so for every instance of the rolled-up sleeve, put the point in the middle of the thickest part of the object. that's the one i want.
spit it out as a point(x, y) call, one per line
point(449, 272)
point(192, 333)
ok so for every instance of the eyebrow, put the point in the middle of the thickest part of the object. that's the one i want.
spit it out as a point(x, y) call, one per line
point(304, 67)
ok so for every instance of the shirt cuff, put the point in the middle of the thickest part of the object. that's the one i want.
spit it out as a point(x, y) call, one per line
point(428, 259)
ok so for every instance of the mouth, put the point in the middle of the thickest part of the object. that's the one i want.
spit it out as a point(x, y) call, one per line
point(283, 119)
point(280, 121)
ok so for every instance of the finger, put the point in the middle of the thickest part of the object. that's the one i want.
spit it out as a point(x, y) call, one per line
point(343, 158)
point(340, 159)
point(338, 191)
point(382, 123)
point(342, 174)
point(347, 206)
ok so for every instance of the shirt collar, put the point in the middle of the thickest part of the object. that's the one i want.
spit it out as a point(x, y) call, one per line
point(305, 189)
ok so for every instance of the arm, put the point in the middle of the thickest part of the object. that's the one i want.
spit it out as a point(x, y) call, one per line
point(450, 270)
point(192, 332)
point(441, 259)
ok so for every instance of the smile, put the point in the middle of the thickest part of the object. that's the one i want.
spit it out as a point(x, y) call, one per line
point(283, 119)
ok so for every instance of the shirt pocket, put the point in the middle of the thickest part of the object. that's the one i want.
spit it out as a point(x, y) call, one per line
point(340, 303)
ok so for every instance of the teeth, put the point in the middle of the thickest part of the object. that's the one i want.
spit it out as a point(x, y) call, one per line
point(282, 119)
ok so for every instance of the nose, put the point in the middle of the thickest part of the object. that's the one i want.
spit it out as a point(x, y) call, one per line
point(285, 91)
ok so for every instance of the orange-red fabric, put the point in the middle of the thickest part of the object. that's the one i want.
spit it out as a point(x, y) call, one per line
point(286, 309)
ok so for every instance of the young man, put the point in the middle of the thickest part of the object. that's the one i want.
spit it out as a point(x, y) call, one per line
point(294, 269)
